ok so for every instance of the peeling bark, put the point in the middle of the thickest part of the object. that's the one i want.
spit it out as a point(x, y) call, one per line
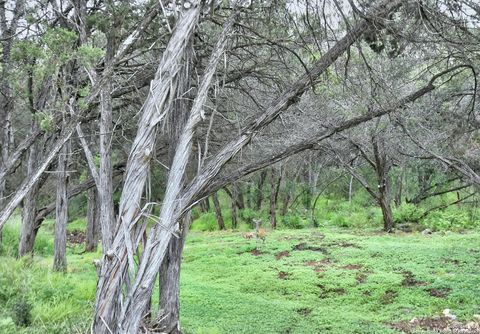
point(61, 212)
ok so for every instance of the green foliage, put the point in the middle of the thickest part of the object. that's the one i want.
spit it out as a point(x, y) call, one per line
point(293, 221)
point(26, 51)
point(248, 215)
point(205, 222)
point(407, 213)
point(59, 43)
point(21, 312)
point(89, 55)
point(7, 325)
point(452, 219)
point(46, 120)
point(354, 283)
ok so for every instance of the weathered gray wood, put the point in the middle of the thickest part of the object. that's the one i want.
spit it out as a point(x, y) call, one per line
point(61, 211)
point(27, 233)
point(107, 317)
point(93, 221)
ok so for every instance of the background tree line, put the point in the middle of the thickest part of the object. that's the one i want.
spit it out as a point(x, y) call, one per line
point(136, 114)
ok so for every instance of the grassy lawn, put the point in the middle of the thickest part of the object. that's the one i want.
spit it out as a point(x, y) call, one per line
point(324, 280)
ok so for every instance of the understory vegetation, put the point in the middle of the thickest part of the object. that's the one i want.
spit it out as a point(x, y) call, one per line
point(331, 272)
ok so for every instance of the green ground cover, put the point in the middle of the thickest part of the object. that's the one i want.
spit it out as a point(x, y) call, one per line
point(313, 280)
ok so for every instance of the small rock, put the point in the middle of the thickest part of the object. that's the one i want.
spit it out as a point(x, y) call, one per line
point(448, 315)
point(414, 320)
point(472, 325)
point(427, 231)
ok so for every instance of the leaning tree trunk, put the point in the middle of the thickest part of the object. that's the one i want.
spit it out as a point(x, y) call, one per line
point(28, 233)
point(168, 317)
point(109, 314)
point(175, 202)
point(387, 214)
point(218, 211)
point(61, 212)
point(93, 221)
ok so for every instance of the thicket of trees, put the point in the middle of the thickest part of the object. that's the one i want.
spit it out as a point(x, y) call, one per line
point(150, 108)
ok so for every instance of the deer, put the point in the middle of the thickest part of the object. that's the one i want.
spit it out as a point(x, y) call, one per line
point(259, 234)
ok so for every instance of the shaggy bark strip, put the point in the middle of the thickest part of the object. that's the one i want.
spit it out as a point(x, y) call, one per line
point(108, 300)
point(160, 235)
point(61, 214)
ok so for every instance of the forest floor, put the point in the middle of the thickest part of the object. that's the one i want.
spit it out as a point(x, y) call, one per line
point(323, 280)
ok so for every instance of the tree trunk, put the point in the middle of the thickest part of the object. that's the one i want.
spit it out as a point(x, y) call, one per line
point(382, 168)
point(249, 195)
point(350, 190)
point(387, 214)
point(27, 233)
point(240, 197)
point(218, 211)
point(259, 197)
point(274, 190)
point(234, 207)
point(109, 301)
point(168, 317)
point(399, 188)
point(93, 221)
point(109, 315)
point(61, 213)
point(105, 172)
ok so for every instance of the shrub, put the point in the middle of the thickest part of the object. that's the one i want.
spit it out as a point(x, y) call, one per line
point(293, 221)
point(7, 326)
point(452, 218)
point(21, 312)
point(248, 215)
point(206, 222)
point(407, 213)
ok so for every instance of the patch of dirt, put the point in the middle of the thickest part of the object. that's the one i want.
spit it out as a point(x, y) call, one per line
point(455, 262)
point(410, 280)
point(319, 266)
point(441, 324)
point(310, 263)
point(283, 275)
point(388, 297)
point(439, 293)
point(304, 311)
point(344, 244)
point(256, 252)
point(318, 235)
point(352, 266)
point(361, 277)
point(283, 254)
point(76, 237)
point(304, 246)
point(327, 292)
